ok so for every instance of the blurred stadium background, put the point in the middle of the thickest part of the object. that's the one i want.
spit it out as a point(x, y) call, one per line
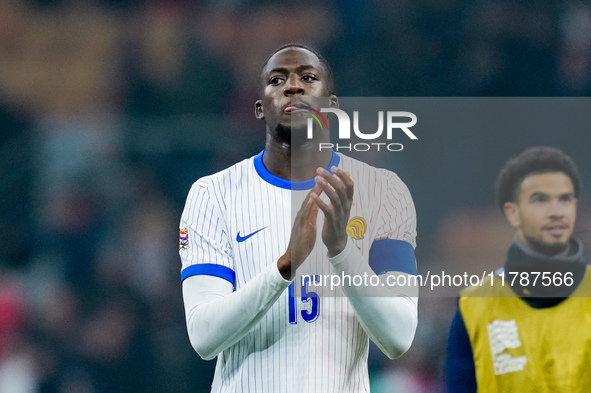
point(110, 109)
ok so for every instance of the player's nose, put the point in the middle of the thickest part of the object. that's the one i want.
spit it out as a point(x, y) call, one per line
point(556, 209)
point(294, 86)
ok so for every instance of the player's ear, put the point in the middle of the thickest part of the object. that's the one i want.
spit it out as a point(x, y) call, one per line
point(511, 211)
point(333, 101)
point(258, 110)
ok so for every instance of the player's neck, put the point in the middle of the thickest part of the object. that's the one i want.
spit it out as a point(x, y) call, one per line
point(295, 164)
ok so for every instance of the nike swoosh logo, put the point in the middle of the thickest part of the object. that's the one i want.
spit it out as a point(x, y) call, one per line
point(240, 239)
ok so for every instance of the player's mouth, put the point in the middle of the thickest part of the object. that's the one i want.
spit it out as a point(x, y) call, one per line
point(293, 109)
point(556, 230)
point(296, 107)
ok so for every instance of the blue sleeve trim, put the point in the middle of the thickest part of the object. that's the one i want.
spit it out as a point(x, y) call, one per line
point(460, 372)
point(209, 269)
point(389, 255)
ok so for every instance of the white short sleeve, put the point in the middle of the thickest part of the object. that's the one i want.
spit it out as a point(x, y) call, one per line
point(204, 247)
point(397, 217)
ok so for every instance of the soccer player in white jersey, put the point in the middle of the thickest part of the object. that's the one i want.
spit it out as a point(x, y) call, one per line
point(241, 249)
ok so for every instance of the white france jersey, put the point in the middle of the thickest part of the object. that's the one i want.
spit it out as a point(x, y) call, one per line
point(237, 222)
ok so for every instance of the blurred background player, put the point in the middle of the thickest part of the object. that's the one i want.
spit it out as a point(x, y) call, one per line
point(531, 334)
point(239, 251)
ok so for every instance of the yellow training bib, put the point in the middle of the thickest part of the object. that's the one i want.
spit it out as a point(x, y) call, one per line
point(518, 348)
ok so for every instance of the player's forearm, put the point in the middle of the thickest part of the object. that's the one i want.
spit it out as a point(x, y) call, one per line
point(217, 317)
point(388, 316)
point(390, 322)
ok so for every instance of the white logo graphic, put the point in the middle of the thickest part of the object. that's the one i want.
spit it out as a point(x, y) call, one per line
point(503, 335)
point(345, 130)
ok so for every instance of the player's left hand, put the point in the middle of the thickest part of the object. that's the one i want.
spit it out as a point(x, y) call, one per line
point(339, 189)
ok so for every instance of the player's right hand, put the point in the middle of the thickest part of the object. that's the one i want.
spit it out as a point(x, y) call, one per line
point(303, 236)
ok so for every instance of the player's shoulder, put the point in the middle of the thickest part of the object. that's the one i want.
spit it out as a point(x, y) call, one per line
point(221, 185)
point(365, 172)
point(585, 285)
point(357, 167)
point(228, 176)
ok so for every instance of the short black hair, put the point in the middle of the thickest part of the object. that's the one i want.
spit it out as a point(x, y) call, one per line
point(535, 160)
point(327, 68)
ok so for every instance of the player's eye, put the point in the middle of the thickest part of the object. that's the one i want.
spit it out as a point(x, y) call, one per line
point(538, 199)
point(275, 81)
point(567, 198)
point(309, 78)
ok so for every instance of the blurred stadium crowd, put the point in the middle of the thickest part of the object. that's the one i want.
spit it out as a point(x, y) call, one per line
point(110, 109)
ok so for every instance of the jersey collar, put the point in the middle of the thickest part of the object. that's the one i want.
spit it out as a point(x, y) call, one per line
point(289, 185)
